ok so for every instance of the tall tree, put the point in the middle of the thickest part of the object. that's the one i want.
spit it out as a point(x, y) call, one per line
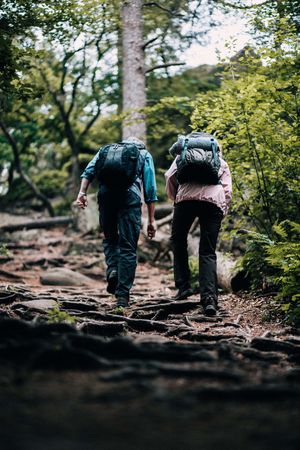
point(154, 34)
point(134, 83)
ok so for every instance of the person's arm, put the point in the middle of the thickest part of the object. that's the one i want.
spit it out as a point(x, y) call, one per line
point(82, 195)
point(86, 178)
point(226, 182)
point(171, 181)
point(151, 227)
point(150, 196)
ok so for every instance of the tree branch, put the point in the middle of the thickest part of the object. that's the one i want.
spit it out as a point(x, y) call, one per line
point(75, 85)
point(163, 8)
point(150, 41)
point(91, 122)
point(24, 177)
point(65, 118)
point(162, 66)
point(242, 7)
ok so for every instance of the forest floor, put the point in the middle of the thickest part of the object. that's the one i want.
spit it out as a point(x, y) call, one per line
point(160, 376)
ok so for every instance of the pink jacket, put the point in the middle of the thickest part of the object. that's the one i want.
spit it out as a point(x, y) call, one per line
point(219, 194)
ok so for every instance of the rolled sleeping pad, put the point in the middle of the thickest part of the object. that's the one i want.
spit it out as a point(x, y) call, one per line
point(203, 142)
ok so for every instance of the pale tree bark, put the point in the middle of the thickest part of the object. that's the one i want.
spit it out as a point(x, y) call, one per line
point(134, 85)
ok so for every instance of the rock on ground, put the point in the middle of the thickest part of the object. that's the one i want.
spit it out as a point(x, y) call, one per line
point(64, 277)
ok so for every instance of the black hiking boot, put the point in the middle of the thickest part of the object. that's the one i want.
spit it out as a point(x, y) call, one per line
point(182, 294)
point(210, 306)
point(112, 282)
point(122, 302)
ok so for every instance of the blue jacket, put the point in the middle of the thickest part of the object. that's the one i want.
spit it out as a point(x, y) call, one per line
point(145, 177)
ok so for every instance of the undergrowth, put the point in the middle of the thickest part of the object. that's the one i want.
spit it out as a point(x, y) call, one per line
point(274, 264)
point(55, 315)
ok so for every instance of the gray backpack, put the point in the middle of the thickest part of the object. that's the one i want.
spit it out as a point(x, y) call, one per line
point(199, 160)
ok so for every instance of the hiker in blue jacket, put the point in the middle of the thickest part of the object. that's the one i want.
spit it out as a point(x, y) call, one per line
point(121, 169)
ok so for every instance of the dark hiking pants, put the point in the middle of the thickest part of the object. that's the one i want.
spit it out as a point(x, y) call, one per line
point(121, 227)
point(210, 217)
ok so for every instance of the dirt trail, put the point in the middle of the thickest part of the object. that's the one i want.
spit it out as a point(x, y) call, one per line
point(162, 375)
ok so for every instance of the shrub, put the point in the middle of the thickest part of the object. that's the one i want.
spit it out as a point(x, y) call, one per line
point(275, 264)
point(51, 182)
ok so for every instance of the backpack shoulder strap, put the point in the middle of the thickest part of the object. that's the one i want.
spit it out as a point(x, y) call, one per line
point(185, 146)
point(214, 147)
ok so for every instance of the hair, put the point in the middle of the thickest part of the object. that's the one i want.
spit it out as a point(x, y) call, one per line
point(135, 140)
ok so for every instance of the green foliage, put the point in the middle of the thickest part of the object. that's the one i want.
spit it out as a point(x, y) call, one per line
point(255, 261)
point(18, 192)
point(266, 19)
point(62, 205)
point(18, 23)
point(55, 315)
point(194, 270)
point(255, 115)
point(284, 257)
point(187, 83)
point(62, 82)
point(165, 120)
point(161, 186)
point(51, 181)
point(118, 311)
point(4, 250)
point(276, 264)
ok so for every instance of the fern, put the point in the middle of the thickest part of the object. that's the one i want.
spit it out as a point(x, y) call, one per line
point(276, 264)
point(255, 261)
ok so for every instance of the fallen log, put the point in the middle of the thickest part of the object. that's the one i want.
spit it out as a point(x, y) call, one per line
point(231, 277)
point(38, 223)
point(163, 210)
point(164, 220)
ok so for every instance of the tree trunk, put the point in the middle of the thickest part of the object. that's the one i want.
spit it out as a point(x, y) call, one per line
point(120, 70)
point(134, 89)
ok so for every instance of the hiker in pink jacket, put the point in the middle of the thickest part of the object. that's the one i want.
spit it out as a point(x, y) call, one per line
point(199, 183)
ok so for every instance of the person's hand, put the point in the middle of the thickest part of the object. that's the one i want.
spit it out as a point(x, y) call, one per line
point(151, 230)
point(81, 200)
